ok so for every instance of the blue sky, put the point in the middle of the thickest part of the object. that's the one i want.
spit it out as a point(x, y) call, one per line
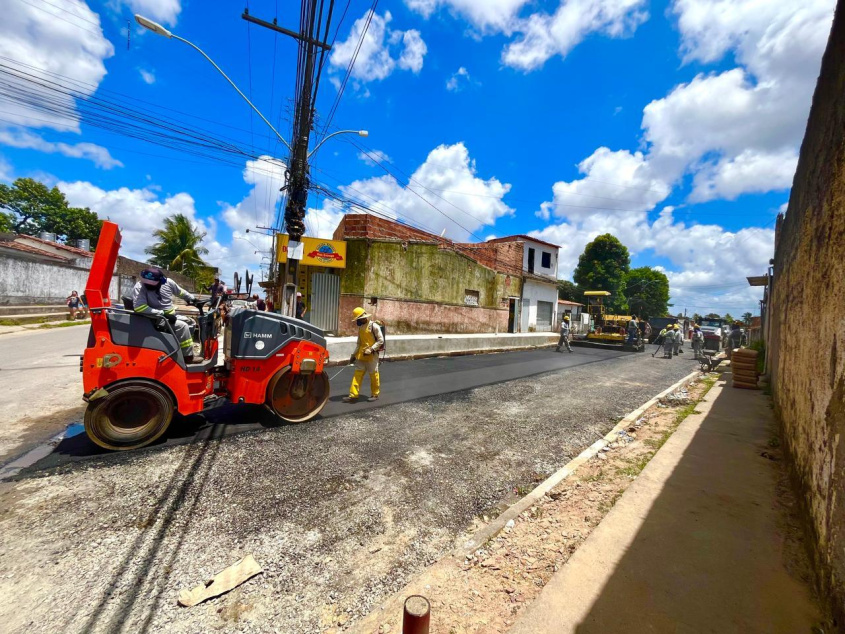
point(674, 124)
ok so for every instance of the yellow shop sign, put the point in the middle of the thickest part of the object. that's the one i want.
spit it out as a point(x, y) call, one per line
point(315, 252)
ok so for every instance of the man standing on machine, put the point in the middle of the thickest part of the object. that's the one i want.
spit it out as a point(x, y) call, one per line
point(153, 295)
point(365, 358)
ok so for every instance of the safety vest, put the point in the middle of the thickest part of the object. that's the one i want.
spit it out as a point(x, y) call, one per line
point(366, 339)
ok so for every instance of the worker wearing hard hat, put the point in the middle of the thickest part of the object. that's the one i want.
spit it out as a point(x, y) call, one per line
point(669, 342)
point(365, 357)
point(679, 338)
point(697, 341)
point(564, 334)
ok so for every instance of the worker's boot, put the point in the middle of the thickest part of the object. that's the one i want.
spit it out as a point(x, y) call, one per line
point(350, 399)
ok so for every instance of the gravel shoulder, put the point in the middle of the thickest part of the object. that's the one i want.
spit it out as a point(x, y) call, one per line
point(341, 513)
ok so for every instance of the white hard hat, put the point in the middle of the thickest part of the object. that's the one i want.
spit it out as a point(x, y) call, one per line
point(299, 294)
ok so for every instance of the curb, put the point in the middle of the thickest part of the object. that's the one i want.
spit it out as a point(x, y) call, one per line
point(495, 527)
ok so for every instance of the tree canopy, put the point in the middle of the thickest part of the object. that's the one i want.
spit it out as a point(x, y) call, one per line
point(647, 291)
point(178, 247)
point(569, 291)
point(30, 208)
point(603, 267)
point(747, 317)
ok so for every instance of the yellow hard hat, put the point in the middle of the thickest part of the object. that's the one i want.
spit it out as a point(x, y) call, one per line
point(566, 318)
point(676, 327)
point(358, 313)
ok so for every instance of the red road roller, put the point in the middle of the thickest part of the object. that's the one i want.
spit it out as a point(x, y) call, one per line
point(135, 378)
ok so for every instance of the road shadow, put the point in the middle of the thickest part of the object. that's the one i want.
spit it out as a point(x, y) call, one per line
point(711, 553)
point(148, 562)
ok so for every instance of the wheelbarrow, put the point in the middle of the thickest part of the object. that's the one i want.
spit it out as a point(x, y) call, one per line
point(710, 360)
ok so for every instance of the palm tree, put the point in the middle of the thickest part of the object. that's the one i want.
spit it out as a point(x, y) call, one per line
point(747, 317)
point(179, 247)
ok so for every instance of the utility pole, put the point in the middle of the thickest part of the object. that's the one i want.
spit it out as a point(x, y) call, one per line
point(298, 181)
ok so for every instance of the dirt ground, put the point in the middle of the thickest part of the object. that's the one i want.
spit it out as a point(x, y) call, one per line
point(484, 592)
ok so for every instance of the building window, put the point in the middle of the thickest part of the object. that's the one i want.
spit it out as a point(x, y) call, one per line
point(530, 260)
point(547, 260)
point(471, 298)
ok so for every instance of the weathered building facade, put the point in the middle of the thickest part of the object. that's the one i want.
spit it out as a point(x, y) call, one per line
point(539, 282)
point(807, 313)
point(419, 282)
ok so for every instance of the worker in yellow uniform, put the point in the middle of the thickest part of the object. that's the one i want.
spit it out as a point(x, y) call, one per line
point(365, 358)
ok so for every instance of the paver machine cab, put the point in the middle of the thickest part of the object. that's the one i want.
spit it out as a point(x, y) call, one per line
point(135, 377)
point(609, 330)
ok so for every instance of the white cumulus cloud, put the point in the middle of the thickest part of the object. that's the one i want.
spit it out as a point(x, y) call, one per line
point(164, 11)
point(538, 35)
point(37, 41)
point(147, 76)
point(459, 80)
point(20, 138)
point(382, 50)
point(446, 194)
point(541, 36)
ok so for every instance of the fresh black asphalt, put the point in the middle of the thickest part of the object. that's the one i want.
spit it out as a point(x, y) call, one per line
point(402, 381)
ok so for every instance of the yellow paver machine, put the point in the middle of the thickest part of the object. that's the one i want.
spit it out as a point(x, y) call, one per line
point(607, 330)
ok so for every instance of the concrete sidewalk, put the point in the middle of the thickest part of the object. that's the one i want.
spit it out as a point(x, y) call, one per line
point(698, 543)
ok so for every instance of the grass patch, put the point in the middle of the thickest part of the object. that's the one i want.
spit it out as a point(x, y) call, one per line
point(64, 324)
point(523, 490)
point(636, 465)
point(605, 507)
point(596, 477)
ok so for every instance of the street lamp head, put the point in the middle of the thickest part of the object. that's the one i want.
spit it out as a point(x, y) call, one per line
point(155, 27)
point(363, 133)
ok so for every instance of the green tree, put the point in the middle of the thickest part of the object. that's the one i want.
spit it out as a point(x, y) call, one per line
point(696, 318)
point(729, 318)
point(6, 222)
point(712, 316)
point(32, 207)
point(568, 291)
point(747, 317)
point(603, 267)
point(179, 247)
point(647, 291)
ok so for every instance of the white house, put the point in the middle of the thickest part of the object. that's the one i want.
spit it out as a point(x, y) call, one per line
point(574, 310)
point(539, 283)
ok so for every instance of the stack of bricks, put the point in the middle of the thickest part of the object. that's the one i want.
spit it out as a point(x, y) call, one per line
point(367, 226)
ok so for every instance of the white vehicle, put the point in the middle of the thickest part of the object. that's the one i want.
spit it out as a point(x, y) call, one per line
point(715, 333)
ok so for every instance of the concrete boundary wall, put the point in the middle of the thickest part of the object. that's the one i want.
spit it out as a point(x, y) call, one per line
point(807, 312)
point(421, 346)
point(26, 281)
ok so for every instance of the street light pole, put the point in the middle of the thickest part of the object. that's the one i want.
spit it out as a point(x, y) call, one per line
point(361, 133)
point(160, 30)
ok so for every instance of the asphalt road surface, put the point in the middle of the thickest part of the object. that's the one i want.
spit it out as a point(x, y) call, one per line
point(402, 381)
point(340, 512)
point(41, 385)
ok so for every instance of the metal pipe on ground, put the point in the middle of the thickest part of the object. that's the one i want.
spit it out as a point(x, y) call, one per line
point(417, 614)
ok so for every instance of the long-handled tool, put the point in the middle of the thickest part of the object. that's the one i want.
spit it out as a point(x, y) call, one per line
point(659, 342)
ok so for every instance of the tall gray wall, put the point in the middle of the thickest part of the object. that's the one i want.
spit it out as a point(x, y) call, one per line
point(29, 281)
point(807, 341)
